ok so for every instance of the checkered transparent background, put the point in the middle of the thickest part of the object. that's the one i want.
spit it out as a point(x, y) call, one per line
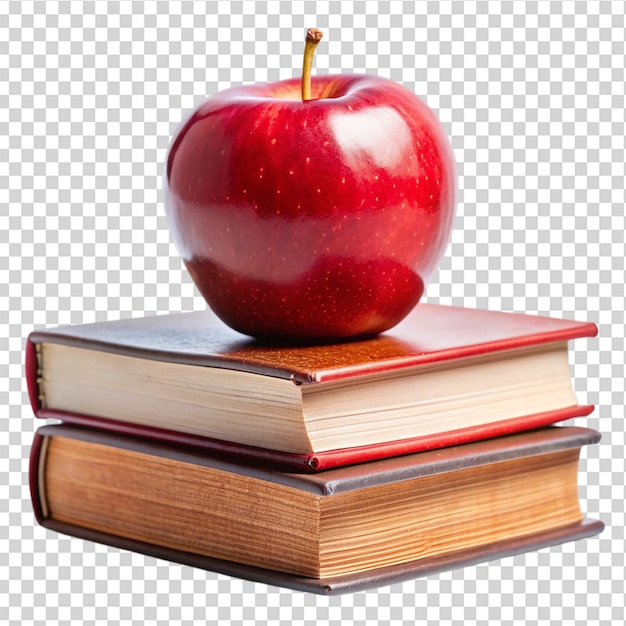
point(532, 95)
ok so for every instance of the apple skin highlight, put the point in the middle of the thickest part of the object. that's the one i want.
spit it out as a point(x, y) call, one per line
point(316, 219)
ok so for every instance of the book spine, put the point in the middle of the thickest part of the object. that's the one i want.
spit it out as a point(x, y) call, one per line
point(32, 374)
point(35, 478)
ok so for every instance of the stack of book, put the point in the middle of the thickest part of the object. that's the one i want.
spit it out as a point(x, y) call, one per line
point(327, 468)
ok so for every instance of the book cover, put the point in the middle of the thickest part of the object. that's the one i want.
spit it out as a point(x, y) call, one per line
point(339, 585)
point(431, 333)
point(329, 459)
point(548, 445)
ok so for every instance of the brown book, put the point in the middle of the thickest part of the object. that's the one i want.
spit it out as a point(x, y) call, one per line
point(340, 530)
point(444, 376)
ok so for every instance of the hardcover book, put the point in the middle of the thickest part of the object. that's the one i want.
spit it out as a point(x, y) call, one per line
point(341, 530)
point(445, 375)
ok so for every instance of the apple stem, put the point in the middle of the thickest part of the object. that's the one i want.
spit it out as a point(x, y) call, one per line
point(313, 37)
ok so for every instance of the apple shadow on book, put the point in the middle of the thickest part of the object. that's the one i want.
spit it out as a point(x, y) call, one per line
point(366, 349)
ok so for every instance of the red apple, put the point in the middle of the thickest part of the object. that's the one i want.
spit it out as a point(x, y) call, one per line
point(318, 218)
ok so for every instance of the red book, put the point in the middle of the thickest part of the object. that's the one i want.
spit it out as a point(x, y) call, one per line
point(444, 376)
point(341, 530)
